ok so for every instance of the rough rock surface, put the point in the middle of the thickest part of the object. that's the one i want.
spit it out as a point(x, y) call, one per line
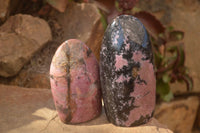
point(4, 9)
point(32, 111)
point(20, 107)
point(20, 37)
point(179, 115)
point(64, 26)
point(31, 79)
point(127, 74)
point(36, 73)
point(75, 82)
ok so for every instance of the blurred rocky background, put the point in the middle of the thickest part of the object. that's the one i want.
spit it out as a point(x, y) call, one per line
point(31, 31)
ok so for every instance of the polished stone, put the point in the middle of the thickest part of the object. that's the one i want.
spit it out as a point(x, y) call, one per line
point(127, 72)
point(75, 82)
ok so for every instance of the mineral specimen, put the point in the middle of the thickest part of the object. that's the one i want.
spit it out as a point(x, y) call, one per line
point(127, 72)
point(75, 85)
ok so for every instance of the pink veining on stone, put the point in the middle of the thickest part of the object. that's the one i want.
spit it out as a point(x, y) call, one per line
point(61, 95)
point(121, 79)
point(137, 56)
point(125, 39)
point(115, 39)
point(127, 47)
point(120, 62)
point(85, 99)
point(86, 90)
point(144, 94)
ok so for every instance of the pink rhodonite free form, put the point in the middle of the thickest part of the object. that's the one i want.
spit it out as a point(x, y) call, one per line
point(75, 85)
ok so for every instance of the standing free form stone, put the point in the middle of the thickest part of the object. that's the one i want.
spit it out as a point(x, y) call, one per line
point(127, 72)
point(75, 83)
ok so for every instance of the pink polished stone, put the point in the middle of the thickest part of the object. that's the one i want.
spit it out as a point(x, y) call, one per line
point(75, 82)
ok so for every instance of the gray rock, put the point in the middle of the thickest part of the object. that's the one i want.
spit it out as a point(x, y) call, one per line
point(20, 37)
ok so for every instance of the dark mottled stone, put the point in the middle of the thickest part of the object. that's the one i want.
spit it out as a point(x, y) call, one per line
point(75, 84)
point(127, 72)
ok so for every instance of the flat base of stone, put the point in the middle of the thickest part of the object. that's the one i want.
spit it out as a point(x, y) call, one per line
point(32, 111)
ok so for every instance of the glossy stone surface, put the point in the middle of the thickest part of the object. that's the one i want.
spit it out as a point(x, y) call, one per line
point(75, 82)
point(127, 72)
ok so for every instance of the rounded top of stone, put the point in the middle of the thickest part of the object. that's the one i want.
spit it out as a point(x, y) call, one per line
point(130, 26)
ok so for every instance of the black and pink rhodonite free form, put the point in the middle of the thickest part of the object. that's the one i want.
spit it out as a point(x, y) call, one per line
point(127, 72)
point(75, 83)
